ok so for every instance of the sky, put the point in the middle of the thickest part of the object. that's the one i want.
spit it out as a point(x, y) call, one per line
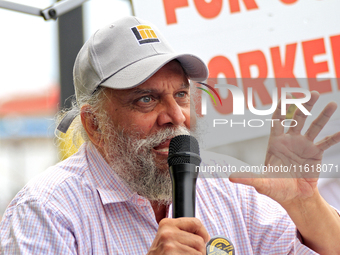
point(29, 49)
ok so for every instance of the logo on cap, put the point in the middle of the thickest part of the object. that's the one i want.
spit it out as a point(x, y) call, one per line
point(144, 34)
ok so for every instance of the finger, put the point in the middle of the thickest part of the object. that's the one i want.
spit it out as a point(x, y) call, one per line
point(194, 241)
point(300, 117)
point(249, 179)
point(180, 232)
point(189, 250)
point(328, 141)
point(177, 248)
point(278, 129)
point(261, 184)
point(318, 124)
point(193, 225)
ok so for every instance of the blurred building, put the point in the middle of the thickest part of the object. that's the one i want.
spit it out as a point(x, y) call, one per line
point(26, 139)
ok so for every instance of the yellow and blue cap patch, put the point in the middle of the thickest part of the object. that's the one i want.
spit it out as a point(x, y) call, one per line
point(144, 34)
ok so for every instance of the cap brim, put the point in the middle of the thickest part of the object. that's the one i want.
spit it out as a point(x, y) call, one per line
point(140, 71)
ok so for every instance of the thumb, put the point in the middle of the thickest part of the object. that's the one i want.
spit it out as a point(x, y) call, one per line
point(249, 179)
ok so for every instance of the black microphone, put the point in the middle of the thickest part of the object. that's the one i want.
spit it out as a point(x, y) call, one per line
point(183, 159)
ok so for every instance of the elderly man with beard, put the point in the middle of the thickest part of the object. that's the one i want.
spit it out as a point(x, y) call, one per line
point(114, 195)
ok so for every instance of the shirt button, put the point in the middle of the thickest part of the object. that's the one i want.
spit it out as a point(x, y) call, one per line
point(140, 201)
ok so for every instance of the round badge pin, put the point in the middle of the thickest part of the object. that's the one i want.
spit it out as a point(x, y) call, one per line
point(220, 245)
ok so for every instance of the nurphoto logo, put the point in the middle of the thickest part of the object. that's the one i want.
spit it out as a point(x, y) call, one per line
point(239, 104)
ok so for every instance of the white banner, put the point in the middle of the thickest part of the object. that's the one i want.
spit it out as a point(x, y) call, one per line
point(254, 44)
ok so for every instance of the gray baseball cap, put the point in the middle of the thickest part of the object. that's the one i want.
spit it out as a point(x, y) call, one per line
point(123, 55)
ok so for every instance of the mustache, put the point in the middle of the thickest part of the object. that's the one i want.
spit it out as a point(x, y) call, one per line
point(161, 136)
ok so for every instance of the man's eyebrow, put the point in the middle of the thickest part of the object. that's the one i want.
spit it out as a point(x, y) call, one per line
point(185, 86)
point(139, 91)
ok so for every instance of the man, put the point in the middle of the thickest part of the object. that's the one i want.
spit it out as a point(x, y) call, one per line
point(114, 195)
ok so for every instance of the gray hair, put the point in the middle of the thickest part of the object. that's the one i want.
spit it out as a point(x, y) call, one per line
point(76, 133)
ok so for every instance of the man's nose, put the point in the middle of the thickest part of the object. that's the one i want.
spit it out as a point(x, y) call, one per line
point(171, 113)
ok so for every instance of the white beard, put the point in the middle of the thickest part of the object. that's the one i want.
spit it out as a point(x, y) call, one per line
point(135, 163)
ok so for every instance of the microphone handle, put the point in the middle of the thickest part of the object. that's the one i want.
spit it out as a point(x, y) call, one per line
point(183, 177)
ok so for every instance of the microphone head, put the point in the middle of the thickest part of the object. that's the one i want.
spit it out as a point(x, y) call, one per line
point(184, 149)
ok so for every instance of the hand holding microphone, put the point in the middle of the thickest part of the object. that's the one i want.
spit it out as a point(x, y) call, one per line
point(180, 236)
point(183, 234)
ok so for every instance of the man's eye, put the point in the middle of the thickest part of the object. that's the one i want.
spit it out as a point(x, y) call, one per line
point(145, 99)
point(181, 94)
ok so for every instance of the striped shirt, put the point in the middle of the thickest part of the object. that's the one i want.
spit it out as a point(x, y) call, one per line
point(80, 206)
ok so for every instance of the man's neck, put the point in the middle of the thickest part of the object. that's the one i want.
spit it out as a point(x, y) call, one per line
point(161, 211)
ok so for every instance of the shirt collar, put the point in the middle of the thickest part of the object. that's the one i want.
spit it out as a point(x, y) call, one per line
point(109, 185)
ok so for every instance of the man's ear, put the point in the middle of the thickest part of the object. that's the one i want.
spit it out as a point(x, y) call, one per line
point(90, 124)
